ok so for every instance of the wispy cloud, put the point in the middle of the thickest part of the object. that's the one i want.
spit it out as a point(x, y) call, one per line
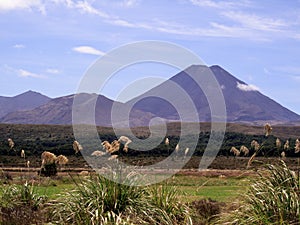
point(85, 7)
point(246, 87)
point(52, 71)
point(19, 46)
point(88, 50)
point(255, 22)
point(129, 3)
point(291, 70)
point(25, 73)
point(235, 22)
point(8, 5)
point(220, 4)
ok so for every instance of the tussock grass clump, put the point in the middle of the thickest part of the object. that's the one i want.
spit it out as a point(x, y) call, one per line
point(99, 200)
point(21, 205)
point(272, 199)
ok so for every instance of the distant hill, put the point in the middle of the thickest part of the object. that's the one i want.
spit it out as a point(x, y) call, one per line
point(59, 111)
point(244, 104)
point(26, 101)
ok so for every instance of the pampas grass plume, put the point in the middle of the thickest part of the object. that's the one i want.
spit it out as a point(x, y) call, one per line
point(235, 151)
point(22, 154)
point(268, 129)
point(11, 143)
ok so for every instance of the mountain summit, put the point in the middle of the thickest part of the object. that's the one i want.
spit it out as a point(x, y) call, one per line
point(244, 103)
point(26, 101)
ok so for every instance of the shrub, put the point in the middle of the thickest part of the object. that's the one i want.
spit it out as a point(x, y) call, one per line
point(272, 199)
point(49, 170)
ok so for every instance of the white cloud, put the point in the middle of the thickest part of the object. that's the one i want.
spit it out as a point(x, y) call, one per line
point(7, 5)
point(246, 87)
point(220, 4)
point(85, 7)
point(129, 3)
point(52, 71)
point(25, 73)
point(88, 50)
point(19, 46)
point(256, 22)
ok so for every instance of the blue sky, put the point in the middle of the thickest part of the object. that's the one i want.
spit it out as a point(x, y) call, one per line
point(47, 45)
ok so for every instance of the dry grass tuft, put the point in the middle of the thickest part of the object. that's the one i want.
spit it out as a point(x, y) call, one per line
point(268, 129)
point(297, 146)
point(278, 143)
point(98, 153)
point(244, 150)
point(286, 145)
point(11, 143)
point(77, 147)
point(61, 160)
point(235, 151)
point(48, 158)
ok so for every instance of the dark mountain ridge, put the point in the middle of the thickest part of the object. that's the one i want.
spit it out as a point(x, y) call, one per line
point(244, 103)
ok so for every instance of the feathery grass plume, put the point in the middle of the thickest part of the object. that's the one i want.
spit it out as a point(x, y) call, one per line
point(255, 145)
point(177, 148)
point(244, 150)
point(167, 142)
point(48, 158)
point(113, 157)
point(126, 141)
point(115, 146)
point(61, 160)
point(282, 154)
point(235, 151)
point(11, 143)
point(98, 153)
point(286, 146)
point(77, 147)
point(186, 151)
point(106, 145)
point(297, 146)
point(268, 129)
point(28, 164)
point(23, 154)
point(278, 143)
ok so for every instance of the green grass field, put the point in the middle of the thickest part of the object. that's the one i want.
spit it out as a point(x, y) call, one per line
point(191, 187)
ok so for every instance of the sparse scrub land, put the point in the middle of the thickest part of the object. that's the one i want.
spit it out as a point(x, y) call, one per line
point(44, 179)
